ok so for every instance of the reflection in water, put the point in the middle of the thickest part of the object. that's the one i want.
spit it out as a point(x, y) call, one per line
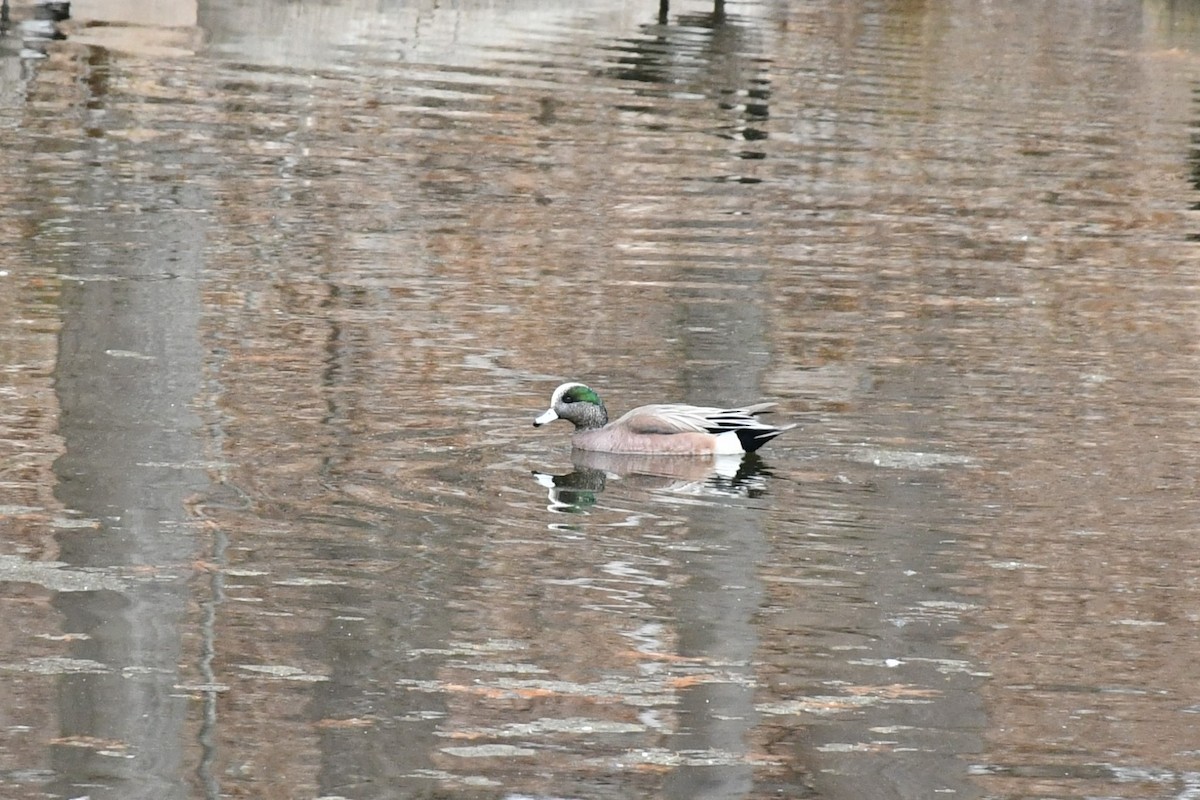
point(714, 56)
point(277, 282)
point(33, 29)
point(128, 370)
point(729, 476)
point(664, 10)
point(1194, 155)
point(574, 492)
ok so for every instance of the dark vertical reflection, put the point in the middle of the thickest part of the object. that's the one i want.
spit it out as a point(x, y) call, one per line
point(664, 10)
point(1194, 156)
point(128, 370)
point(713, 54)
point(724, 360)
point(368, 625)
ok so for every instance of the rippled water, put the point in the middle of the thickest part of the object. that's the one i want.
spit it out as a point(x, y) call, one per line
point(284, 284)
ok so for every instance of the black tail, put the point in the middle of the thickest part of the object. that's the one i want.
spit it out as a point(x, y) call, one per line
point(754, 438)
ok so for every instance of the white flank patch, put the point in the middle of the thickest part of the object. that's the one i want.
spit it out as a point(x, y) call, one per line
point(728, 443)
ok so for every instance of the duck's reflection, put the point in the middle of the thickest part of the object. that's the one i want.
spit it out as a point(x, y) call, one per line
point(577, 491)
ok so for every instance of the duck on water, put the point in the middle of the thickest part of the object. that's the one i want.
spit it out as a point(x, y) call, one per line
point(660, 429)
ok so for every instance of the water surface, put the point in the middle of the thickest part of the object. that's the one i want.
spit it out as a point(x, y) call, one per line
point(283, 286)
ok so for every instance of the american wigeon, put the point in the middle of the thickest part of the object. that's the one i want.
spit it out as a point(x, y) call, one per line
point(659, 429)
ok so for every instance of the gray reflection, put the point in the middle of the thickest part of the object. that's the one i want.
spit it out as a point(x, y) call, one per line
point(716, 605)
point(128, 370)
point(717, 57)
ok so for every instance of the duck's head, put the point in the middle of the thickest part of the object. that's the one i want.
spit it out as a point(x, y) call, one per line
point(578, 404)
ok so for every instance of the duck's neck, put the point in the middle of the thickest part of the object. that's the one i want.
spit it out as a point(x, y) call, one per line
point(595, 416)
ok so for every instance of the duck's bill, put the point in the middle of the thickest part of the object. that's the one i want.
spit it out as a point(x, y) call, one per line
point(549, 416)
